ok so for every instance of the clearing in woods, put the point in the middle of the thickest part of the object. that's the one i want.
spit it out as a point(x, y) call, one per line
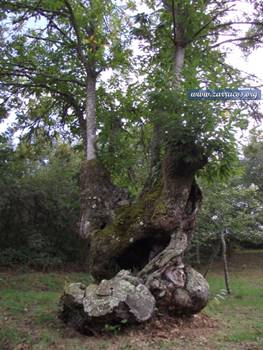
point(29, 304)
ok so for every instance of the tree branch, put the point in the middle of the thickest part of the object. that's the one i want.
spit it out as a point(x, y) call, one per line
point(252, 37)
point(78, 36)
point(209, 22)
point(63, 94)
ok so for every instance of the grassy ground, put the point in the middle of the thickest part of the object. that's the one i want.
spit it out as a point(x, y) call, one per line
point(29, 304)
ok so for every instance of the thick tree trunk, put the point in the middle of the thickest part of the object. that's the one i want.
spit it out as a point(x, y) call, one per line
point(148, 238)
point(151, 236)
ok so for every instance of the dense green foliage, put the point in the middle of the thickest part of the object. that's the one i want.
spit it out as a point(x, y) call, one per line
point(39, 205)
point(253, 161)
point(235, 206)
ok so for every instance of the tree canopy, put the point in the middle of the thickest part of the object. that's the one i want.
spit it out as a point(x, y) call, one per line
point(51, 51)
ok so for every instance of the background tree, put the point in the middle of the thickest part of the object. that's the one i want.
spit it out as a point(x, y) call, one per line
point(39, 206)
point(253, 160)
point(234, 206)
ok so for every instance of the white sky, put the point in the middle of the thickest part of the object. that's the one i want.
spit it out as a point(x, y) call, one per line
point(253, 64)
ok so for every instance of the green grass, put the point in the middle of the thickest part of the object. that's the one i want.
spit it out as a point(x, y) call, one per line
point(40, 281)
point(10, 336)
point(241, 311)
point(29, 305)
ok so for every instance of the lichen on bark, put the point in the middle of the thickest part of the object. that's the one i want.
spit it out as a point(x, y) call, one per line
point(123, 299)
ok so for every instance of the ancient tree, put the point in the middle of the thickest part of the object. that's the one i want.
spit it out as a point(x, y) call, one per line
point(150, 236)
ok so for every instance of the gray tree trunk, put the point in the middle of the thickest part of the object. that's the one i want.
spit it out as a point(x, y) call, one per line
point(91, 117)
point(224, 256)
point(178, 63)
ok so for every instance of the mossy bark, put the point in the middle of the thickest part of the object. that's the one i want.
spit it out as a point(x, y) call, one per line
point(150, 236)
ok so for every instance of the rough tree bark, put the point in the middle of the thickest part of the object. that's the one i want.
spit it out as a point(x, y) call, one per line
point(148, 237)
point(99, 199)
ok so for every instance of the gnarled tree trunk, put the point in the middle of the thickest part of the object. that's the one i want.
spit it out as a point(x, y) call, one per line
point(150, 237)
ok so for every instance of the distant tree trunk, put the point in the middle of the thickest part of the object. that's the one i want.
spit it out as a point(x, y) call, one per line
point(212, 258)
point(115, 127)
point(224, 256)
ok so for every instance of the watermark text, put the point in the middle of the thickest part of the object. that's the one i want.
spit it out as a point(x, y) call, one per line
point(225, 94)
